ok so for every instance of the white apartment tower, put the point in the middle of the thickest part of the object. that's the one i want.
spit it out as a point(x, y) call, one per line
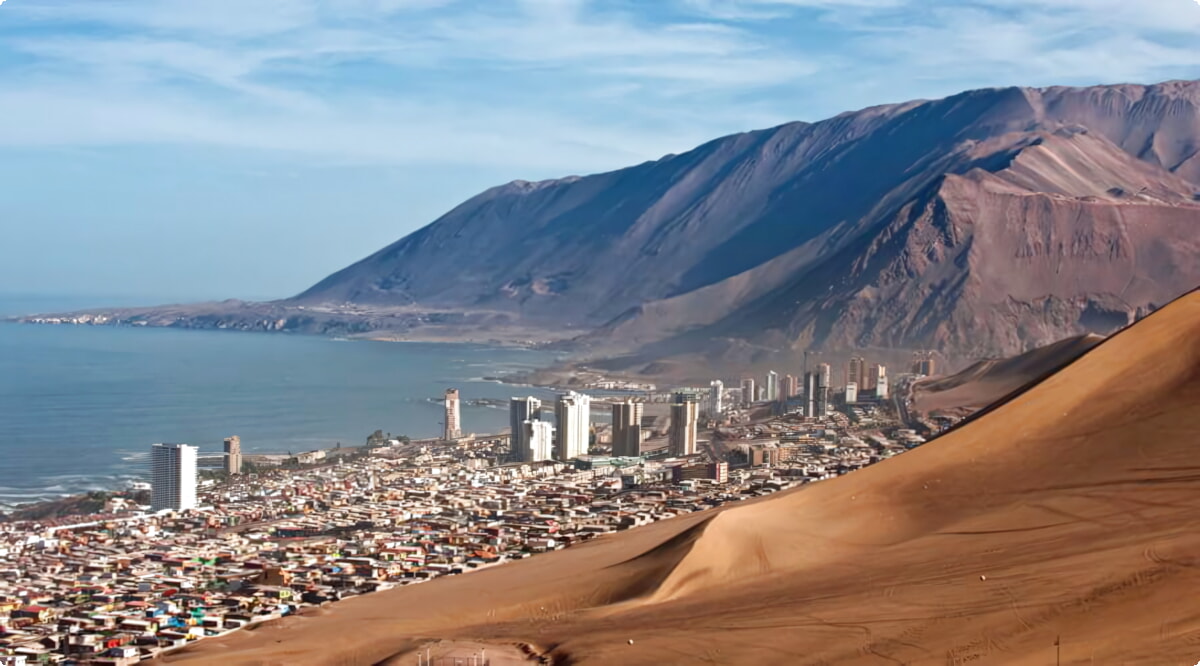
point(573, 412)
point(772, 386)
point(881, 382)
point(172, 477)
point(716, 403)
point(521, 410)
point(539, 438)
point(453, 423)
point(682, 438)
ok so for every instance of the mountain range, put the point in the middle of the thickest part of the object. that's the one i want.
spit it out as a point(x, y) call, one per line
point(985, 223)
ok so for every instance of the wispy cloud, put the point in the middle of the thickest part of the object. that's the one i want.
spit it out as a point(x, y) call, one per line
point(535, 83)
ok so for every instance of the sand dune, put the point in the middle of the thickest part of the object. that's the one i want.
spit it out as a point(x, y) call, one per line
point(1072, 512)
point(987, 381)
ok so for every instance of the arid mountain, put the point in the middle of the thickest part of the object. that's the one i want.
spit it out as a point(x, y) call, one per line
point(987, 222)
point(1068, 515)
point(988, 381)
point(982, 224)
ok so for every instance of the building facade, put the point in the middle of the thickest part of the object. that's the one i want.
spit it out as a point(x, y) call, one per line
point(682, 437)
point(573, 412)
point(233, 455)
point(772, 386)
point(748, 395)
point(627, 428)
point(173, 477)
point(851, 393)
point(539, 441)
point(453, 429)
point(716, 400)
point(791, 387)
point(824, 381)
point(521, 410)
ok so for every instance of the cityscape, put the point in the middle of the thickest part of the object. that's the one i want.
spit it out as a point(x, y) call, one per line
point(230, 540)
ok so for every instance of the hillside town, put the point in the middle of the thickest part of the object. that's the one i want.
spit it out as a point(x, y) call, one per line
point(264, 537)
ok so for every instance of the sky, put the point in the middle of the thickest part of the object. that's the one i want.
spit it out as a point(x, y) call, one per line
point(200, 149)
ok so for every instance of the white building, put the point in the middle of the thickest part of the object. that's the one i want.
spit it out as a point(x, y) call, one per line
point(851, 393)
point(453, 428)
point(521, 410)
point(539, 438)
point(573, 411)
point(172, 476)
point(716, 403)
point(772, 386)
point(881, 381)
point(682, 437)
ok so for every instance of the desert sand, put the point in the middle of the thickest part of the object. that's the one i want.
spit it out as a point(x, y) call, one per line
point(1069, 514)
point(988, 381)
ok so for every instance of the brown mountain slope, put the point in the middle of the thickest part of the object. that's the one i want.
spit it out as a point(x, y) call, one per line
point(988, 381)
point(1049, 235)
point(1072, 511)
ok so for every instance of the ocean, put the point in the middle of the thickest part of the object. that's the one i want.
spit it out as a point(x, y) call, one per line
point(80, 406)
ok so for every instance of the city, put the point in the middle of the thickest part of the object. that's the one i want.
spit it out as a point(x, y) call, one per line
point(254, 538)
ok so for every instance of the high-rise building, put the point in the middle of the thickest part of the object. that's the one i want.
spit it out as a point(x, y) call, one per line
point(748, 394)
point(856, 370)
point(880, 381)
point(521, 410)
point(539, 441)
point(791, 387)
point(682, 437)
point(868, 384)
point(760, 393)
point(824, 380)
point(772, 386)
point(716, 399)
point(923, 363)
point(453, 425)
point(573, 411)
point(851, 393)
point(172, 477)
point(810, 393)
point(233, 455)
point(627, 428)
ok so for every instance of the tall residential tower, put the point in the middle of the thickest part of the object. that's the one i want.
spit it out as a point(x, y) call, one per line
point(627, 428)
point(453, 423)
point(172, 477)
point(573, 411)
point(521, 410)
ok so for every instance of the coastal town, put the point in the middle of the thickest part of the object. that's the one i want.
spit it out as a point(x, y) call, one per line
point(262, 537)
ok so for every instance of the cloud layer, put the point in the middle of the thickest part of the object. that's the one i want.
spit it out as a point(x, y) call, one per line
point(540, 84)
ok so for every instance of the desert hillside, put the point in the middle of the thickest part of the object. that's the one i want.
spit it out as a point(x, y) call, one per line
point(987, 381)
point(1070, 513)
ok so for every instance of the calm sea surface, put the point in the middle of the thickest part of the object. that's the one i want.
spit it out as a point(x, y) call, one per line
point(80, 406)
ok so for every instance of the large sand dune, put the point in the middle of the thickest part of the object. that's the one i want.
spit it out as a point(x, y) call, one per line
point(990, 380)
point(1072, 511)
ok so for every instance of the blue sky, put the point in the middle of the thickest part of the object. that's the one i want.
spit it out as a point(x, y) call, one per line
point(185, 149)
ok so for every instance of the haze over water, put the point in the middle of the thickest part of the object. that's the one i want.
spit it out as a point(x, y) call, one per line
point(80, 406)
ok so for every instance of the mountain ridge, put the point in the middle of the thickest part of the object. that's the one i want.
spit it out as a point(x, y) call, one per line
point(894, 226)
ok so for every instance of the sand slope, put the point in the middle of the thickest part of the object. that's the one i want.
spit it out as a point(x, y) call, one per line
point(987, 381)
point(1072, 511)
